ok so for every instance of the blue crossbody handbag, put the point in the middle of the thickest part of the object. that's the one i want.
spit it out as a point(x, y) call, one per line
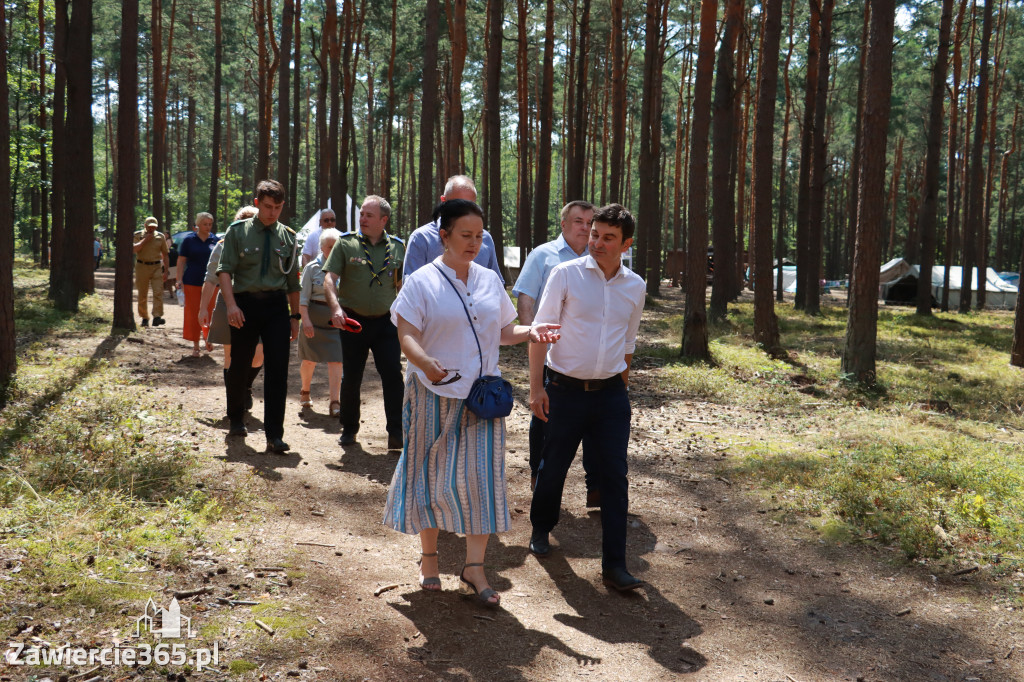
point(490, 397)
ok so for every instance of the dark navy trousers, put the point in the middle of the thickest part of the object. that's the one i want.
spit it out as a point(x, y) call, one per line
point(600, 421)
point(537, 446)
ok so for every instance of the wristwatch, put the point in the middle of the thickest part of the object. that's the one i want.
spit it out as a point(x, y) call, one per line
point(295, 316)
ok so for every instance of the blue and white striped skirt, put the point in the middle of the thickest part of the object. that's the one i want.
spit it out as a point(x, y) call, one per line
point(451, 474)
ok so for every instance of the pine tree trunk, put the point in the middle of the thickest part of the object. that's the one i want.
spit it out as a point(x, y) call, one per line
point(58, 271)
point(819, 156)
point(492, 125)
point(723, 225)
point(428, 112)
point(522, 96)
point(8, 349)
point(459, 48)
point(649, 207)
point(618, 97)
point(930, 191)
point(190, 161)
point(695, 324)
point(127, 165)
point(215, 150)
point(975, 197)
point(576, 163)
point(804, 183)
point(858, 361)
point(293, 180)
point(780, 230)
point(543, 183)
point(284, 133)
point(766, 326)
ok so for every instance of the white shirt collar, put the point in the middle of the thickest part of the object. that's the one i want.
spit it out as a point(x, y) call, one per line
point(592, 265)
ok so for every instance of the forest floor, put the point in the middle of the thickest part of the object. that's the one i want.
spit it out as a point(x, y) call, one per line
point(735, 589)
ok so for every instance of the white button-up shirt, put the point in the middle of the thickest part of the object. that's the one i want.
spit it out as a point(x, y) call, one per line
point(431, 304)
point(599, 318)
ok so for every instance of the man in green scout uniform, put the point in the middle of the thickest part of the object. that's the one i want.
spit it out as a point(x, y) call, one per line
point(151, 268)
point(364, 274)
point(259, 280)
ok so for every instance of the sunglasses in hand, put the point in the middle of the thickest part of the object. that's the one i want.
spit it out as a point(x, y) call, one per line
point(447, 379)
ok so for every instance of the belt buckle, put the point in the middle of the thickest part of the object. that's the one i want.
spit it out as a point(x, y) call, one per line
point(587, 385)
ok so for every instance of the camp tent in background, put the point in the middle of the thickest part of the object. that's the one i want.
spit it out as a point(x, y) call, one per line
point(898, 285)
point(788, 278)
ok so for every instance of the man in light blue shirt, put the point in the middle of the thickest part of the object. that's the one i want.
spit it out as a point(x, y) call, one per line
point(576, 219)
point(424, 244)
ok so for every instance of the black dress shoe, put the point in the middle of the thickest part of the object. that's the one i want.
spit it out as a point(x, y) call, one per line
point(620, 579)
point(539, 544)
point(238, 429)
point(394, 442)
point(145, 322)
point(347, 438)
point(594, 498)
point(277, 445)
point(159, 321)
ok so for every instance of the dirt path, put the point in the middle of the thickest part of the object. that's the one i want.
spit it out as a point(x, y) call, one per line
point(732, 593)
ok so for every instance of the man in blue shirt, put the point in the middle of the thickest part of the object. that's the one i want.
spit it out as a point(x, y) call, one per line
point(576, 219)
point(424, 244)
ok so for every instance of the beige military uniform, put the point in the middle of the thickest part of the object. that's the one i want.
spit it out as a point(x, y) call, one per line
point(149, 262)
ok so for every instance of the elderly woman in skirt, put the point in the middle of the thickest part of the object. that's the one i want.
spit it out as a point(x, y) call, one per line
point(318, 340)
point(451, 474)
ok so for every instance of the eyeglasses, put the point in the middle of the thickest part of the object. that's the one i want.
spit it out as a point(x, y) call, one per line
point(328, 220)
point(447, 380)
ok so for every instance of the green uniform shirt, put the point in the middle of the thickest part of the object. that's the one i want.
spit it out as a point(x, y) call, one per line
point(155, 250)
point(367, 274)
point(243, 257)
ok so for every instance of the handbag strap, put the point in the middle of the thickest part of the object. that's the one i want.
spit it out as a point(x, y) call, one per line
point(468, 318)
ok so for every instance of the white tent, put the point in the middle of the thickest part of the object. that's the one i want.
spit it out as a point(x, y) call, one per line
point(788, 278)
point(898, 284)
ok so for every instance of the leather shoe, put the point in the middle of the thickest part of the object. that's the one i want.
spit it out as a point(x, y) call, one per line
point(277, 445)
point(238, 429)
point(159, 321)
point(394, 442)
point(594, 498)
point(145, 322)
point(539, 544)
point(347, 438)
point(620, 579)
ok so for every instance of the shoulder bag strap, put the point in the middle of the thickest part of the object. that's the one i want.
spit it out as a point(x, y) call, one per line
point(468, 318)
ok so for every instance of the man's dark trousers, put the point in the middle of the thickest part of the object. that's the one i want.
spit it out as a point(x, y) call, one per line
point(600, 420)
point(266, 319)
point(380, 336)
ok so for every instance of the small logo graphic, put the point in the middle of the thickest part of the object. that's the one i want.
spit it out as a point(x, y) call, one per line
point(170, 621)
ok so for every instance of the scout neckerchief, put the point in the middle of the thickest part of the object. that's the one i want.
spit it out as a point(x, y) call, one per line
point(369, 261)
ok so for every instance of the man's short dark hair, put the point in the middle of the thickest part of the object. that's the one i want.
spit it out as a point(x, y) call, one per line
point(617, 215)
point(578, 203)
point(270, 188)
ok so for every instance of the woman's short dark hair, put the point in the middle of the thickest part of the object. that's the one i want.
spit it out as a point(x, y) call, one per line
point(447, 212)
point(616, 215)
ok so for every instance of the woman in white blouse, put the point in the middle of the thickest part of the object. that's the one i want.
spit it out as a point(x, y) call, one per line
point(319, 342)
point(451, 475)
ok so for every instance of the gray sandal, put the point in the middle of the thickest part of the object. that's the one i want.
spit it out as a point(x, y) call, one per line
point(429, 584)
point(482, 597)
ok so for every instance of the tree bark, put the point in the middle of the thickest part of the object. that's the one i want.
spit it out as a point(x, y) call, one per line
point(858, 361)
point(284, 133)
point(8, 349)
point(780, 230)
point(618, 96)
point(577, 159)
point(127, 164)
point(766, 325)
point(58, 273)
point(492, 125)
point(695, 324)
point(930, 190)
point(649, 208)
point(523, 129)
point(428, 112)
point(547, 105)
point(819, 169)
point(723, 171)
point(215, 146)
point(459, 46)
point(975, 193)
point(804, 183)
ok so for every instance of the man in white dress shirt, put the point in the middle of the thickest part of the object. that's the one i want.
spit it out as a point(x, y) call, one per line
point(311, 247)
point(576, 218)
point(598, 302)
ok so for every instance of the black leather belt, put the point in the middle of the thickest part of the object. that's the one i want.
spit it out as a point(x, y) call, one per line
point(149, 262)
point(260, 295)
point(359, 316)
point(584, 384)
point(314, 302)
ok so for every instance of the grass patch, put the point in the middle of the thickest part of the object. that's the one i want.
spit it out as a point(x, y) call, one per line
point(35, 315)
point(931, 460)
